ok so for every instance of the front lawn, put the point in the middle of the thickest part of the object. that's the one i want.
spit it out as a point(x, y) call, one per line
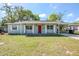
point(38, 45)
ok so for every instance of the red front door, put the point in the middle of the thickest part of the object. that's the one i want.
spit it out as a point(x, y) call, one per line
point(39, 28)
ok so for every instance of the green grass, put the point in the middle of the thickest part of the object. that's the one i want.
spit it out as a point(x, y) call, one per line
point(21, 45)
point(76, 32)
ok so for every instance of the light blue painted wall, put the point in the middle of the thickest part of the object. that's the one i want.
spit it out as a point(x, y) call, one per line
point(35, 28)
point(10, 31)
point(21, 29)
point(43, 29)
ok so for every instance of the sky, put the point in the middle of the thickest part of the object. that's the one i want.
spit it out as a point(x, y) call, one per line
point(70, 10)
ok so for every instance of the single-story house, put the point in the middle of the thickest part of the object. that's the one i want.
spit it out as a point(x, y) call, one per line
point(33, 27)
point(74, 27)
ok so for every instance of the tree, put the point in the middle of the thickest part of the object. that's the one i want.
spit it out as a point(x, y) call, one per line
point(17, 13)
point(24, 15)
point(36, 17)
point(8, 14)
point(3, 21)
point(53, 17)
point(0, 23)
point(6, 8)
point(56, 17)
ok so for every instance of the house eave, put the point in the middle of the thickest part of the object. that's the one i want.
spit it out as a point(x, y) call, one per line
point(36, 22)
point(73, 24)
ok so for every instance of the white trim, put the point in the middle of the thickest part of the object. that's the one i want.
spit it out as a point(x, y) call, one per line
point(24, 29)
point(29, 31)
point(45, 29)
point(9, 28)
point(20, 28)
point(33, 28)
point(50, 30)
point(12, 27)
point(78, 28)
point(54, 28)
point(36, 22)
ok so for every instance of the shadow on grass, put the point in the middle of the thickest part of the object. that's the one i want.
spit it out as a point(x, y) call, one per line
point(44, 35)
point(38, 35)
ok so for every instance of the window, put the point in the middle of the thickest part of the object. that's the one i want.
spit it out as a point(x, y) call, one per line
point(49, 26)
point(14, 27)
point(29, 27)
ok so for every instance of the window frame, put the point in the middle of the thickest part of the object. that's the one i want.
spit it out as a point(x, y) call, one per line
point(28, 27)
point(14, 27)
point(50, 27)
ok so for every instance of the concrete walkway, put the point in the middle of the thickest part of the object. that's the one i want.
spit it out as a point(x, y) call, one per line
point(71, 35)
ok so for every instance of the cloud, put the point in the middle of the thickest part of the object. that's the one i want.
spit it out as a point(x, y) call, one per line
point(9, 4)
point(3, 11)
point(77, 19)
point(53, 6)
point(70, 14)
point(42, 15)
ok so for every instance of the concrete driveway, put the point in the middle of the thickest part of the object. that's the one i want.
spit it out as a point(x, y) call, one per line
point(71, 35)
